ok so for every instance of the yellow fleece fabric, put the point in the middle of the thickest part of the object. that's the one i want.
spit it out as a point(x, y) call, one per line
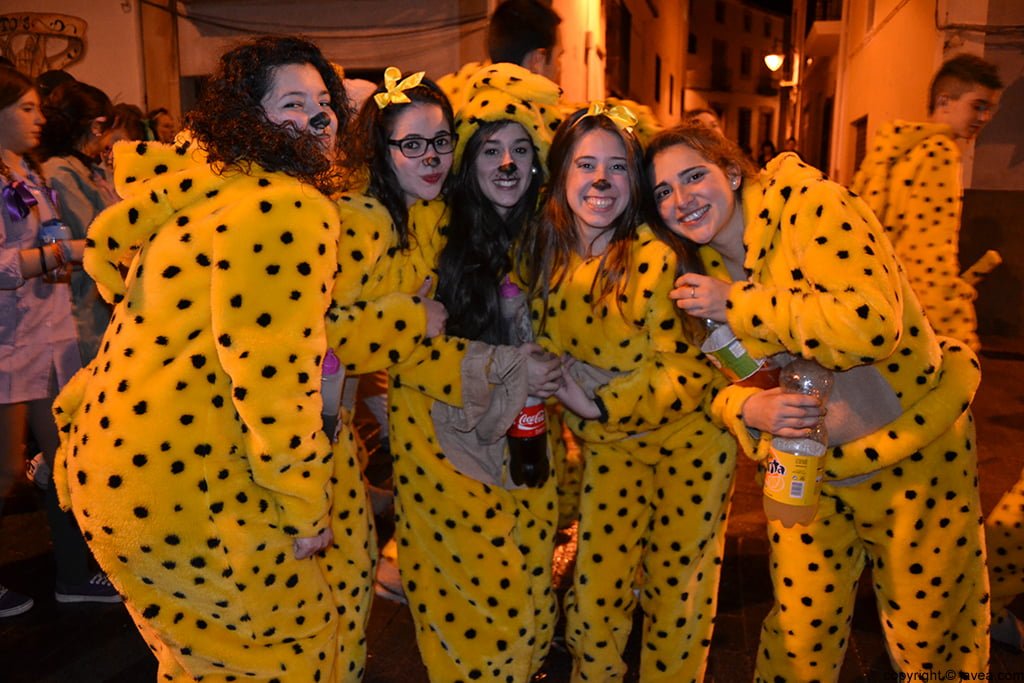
point(475, 559)
point(456, 84)
point(911, 180)
point(192, 452)
point(823, 282)
point(658, 473)
point(508, 92)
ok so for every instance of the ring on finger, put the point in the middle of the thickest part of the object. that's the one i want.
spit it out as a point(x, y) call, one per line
point(693, 291)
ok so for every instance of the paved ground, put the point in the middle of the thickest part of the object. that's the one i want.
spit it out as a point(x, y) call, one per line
point(74, 643)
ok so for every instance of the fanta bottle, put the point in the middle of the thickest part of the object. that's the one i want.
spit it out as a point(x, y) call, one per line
point(795, 466)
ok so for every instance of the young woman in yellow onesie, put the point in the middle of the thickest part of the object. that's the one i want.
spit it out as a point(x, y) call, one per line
point(658, 473)
point(796, 263)
point(192, 452)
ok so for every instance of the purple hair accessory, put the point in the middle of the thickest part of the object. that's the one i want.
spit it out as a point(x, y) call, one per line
point(18, 199)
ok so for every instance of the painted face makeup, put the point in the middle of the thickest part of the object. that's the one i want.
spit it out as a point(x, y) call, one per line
point(298, 96)
point(503, 166)
point(422, 177)
point(597, 185)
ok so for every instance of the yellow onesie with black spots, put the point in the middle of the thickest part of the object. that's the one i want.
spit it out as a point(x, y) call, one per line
point(911, 180)
point(475, 559)
point(373, 326)
point(376, 318)
point(1004, 535)
point(824, 283)
point(658, 475)
point(192, 451)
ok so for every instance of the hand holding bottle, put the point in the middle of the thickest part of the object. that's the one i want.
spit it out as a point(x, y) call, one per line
point(543, 370)
point(782, 413)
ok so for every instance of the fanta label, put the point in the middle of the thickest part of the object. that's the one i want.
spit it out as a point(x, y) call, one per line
point(793, 479)
point(530, 422)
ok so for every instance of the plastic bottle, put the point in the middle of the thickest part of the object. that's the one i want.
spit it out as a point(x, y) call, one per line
point(50, 232)
point(331, 382)
point(792, 482)
point(528, 463)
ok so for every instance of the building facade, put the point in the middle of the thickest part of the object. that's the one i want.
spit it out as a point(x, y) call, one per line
point(727, 43)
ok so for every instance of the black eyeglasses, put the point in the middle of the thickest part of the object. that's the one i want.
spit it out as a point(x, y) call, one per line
point(413, 146)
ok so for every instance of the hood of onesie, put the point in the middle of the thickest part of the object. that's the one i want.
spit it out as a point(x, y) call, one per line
point(508, 92)
point(895, 145)
point(895, 139)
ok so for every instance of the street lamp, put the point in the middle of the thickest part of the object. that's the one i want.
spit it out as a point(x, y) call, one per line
point(774, 61)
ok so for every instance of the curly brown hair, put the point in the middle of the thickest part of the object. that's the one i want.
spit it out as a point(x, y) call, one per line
point(230, 125)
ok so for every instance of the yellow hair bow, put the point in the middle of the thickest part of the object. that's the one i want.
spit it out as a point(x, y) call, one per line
point(620, 114)
point(394, 91)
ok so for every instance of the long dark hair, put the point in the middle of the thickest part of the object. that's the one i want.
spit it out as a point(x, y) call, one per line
point(229, 123)
point(13, 86)
point(70, 110)
point(550, 242)
point(371, 132)
point(717, 150)
point(476, 256)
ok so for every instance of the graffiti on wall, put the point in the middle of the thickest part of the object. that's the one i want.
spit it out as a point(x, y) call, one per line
point(41, 41)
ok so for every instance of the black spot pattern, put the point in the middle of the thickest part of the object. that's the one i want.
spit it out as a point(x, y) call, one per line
point(659, 497)
point(915, 519)
point(194, 492)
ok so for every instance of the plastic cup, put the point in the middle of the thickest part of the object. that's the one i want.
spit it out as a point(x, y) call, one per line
point(729, 356)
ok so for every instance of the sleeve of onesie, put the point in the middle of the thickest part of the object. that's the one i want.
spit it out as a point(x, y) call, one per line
point(114, 233)
point(832, 291)
point(10, 263)
point(727, 411)
point(370, 334)
point(270, 341)
point(670, 381)
point(435, 369)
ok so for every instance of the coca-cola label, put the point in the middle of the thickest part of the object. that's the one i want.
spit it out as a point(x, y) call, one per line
point(531, 421)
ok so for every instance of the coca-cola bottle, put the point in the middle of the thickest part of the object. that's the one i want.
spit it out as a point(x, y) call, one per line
point(528, 436)
point(528, 446)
